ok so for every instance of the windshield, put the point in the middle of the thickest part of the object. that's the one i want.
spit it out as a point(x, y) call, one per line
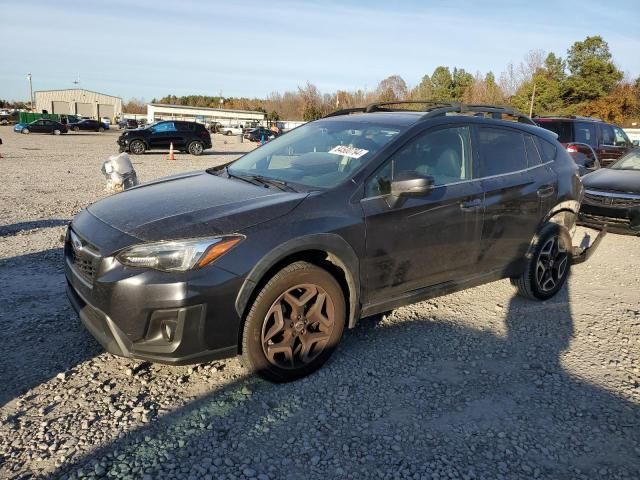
point(629, 162)
point(318, 154)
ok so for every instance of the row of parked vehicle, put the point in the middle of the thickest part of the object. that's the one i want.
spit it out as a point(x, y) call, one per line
point(54, 127)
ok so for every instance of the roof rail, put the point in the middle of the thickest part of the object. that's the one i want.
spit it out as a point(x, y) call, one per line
point(496, 112)
point(437, 108)
point(345, 111)
point(573, 117)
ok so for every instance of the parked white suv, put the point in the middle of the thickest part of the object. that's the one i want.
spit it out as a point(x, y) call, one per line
point(231, 130)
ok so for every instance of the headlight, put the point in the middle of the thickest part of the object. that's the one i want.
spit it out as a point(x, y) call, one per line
point(178, 255)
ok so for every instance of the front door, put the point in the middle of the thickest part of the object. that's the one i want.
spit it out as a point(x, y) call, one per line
point(421, 241)
point(609, 151)
point(163, 135)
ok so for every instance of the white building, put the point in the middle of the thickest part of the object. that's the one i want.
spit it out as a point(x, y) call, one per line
point(78, 101)
point(159, 111)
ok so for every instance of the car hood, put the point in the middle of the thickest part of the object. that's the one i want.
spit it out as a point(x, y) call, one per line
point(192, 205)
point(613, 180)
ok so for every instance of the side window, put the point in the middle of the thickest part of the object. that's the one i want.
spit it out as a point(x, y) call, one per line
point(184, 127)
point(621, 137)
point(586, 133)
point(547, 150)
point(164, 127)
point(443, 154)
point(501, 151)
point(607, 135)
point(533, 156)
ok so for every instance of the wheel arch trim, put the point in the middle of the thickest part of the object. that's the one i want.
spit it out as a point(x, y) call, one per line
point(339, 253)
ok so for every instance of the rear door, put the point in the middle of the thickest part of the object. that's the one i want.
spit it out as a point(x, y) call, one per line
point(423, 240)
point(184, 135)
point(38, 126)
point(517, 186)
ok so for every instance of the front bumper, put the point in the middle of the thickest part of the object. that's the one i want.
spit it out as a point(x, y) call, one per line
point(150, 315)
point(617, 220)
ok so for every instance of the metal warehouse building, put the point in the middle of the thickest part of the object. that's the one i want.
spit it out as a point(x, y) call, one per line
point(160, 111)
point(76, 101)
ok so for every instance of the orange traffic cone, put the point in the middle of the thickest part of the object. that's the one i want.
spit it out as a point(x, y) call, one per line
point(172, 155)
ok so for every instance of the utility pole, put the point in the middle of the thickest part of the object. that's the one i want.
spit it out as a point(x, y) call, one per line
point(30, 90)
point(533, 96)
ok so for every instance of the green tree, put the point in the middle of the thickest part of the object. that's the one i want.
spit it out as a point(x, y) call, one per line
point(593, 73)
point(422, 91)
point(460, 82)
point(442, 83)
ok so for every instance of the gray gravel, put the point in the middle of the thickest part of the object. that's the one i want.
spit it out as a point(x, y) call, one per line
point(479, 384)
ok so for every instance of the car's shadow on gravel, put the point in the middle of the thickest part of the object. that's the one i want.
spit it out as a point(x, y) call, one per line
point(412, 396)
point(41, 334)
point(16, 228)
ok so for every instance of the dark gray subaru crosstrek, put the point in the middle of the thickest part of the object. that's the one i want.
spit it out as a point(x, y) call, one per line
point(366, 210)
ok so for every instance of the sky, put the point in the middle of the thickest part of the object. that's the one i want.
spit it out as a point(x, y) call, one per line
point(147, 49)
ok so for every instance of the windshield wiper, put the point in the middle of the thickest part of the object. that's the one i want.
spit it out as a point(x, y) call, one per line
point(281, 184)
point(252, 179)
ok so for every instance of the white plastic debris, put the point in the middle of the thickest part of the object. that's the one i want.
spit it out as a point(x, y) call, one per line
point(119, 173)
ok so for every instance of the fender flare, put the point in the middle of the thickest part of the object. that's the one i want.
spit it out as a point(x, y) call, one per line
point(339, 252)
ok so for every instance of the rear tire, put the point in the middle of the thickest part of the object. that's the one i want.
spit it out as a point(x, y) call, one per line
point(101, 129)
point(548, 264)
point(228, 132)
point(137, 147)
point(76, 129)
point(57, 132)
point(196, 148)
point(294, 324)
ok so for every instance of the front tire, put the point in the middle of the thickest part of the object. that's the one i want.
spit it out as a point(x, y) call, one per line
point(294, 324)
point(228, 133)
point(76, 129)
point(25, 131)
point(548, 264)
point(196, 148)
point(101, 129)
point(137, 147)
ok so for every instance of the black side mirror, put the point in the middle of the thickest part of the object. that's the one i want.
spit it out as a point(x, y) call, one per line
point(409, 187)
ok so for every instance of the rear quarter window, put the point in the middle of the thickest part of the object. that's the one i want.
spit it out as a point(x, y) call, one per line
point(547, 149)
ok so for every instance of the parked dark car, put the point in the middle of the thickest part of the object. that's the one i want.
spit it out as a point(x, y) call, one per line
point(612, 196)
point(260, 134)
point(42, 125)
point(189, 137)
point(89, 125)
point(366, 210)
point(128, 123)
point(591, 142)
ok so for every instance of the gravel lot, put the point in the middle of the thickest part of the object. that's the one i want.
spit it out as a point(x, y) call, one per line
point(479, 384)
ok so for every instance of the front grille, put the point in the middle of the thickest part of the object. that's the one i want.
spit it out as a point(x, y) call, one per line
point(84, 256)
point(612, 199)
point(601, 219)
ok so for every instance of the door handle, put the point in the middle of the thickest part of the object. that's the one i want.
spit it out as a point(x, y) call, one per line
point(546, 190)
point(471, 205)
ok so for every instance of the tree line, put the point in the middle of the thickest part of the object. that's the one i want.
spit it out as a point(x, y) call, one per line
point(584, 82)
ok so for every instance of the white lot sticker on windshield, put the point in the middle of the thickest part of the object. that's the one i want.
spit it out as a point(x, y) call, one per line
point(348, 151)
